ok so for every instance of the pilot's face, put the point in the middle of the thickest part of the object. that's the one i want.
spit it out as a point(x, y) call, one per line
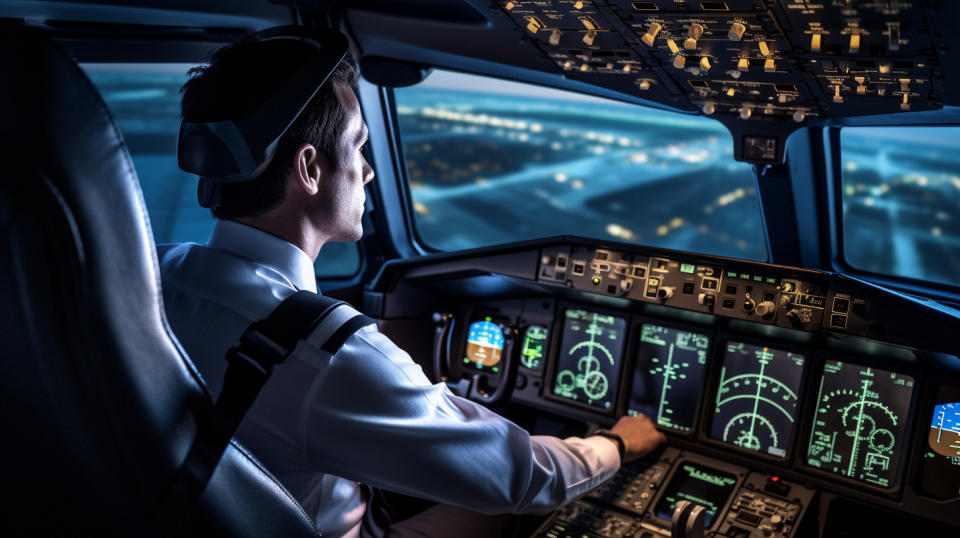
point(345, 196)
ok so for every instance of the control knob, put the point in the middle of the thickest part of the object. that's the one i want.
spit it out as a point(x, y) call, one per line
point(665, 292)
point(766, 309)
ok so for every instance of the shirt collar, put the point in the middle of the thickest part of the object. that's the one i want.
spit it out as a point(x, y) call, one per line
point(265, 249)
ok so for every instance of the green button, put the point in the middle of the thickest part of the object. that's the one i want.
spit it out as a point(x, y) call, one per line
point(596, 281)
point(686, 268)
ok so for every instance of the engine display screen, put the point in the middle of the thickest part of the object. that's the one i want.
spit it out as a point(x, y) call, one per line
point(940, 468)
point(590, 358)
point(534, 347)
point(757, 399)
point(698, 484)
point(484, 344)
point(668, 376)
point(860, 427)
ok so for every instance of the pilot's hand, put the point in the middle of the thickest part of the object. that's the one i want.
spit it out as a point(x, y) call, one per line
point(639, 435)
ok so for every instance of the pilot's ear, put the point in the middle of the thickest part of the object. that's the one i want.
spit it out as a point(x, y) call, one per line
point(310, 168)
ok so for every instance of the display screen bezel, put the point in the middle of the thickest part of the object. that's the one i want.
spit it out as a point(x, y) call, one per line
point(719, 349)
point(909, 437)
point(636, 331)
point(553, 355)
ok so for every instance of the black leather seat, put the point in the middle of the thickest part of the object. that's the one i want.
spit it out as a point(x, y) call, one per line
point(100, 404)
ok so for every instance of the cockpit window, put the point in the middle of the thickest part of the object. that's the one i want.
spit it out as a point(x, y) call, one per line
point(490, 161)
point(145, 100)
point(901, 193)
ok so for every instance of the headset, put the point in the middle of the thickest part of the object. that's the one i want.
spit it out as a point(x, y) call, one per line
point(240, 149)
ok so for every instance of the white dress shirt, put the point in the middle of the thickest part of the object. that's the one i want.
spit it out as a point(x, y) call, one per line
point(365, 414)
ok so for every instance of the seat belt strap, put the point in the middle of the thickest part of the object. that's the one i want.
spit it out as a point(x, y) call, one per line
point(265, 344)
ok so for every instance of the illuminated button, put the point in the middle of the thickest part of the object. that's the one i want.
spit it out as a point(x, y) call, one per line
point(815, 43)
point(746, 112)
point(736, 31)
point(837, 98)
point(885, 67)
point(679, 61)
point(555, 37)
point(672, 45)
point(743, 64)
point(905, 104)
point(644, 84)
point(509, 6)
point(578, 5)
point(709, 108)
point(595, 280)
point(904, 84)
point(769, 65)
point(764, 48)
point(651, 34)
point(693, 34)
point(533, 25)
point(705, 63)
point(626, 68)
point(854, 43)
point(585, 67)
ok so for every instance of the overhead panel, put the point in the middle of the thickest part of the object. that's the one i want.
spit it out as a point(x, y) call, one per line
point(754, 60)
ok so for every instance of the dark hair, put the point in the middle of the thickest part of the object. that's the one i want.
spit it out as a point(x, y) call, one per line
point(238, 79)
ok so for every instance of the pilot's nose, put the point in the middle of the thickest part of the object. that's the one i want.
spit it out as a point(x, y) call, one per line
point(367, 172)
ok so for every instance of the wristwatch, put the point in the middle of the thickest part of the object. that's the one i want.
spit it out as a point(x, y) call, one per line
point(621, 446)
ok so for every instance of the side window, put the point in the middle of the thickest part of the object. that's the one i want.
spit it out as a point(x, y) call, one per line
point(145, 100)
point(901, 194)
point(491, 161)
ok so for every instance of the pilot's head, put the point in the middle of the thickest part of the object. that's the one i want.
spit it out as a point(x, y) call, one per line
point(317, 175)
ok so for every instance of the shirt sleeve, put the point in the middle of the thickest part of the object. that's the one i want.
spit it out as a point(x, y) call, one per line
point(374, 417)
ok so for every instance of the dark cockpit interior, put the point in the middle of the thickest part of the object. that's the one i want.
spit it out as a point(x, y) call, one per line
point(739, 218)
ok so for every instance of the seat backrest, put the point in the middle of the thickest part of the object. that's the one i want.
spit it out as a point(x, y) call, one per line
point(99, 403)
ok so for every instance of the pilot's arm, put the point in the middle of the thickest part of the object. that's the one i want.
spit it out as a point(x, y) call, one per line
point(374, 417)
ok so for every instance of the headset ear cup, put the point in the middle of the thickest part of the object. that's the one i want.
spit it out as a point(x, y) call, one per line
point(208, 193)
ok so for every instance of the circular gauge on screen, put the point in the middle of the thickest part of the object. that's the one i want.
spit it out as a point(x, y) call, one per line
point(484, 345)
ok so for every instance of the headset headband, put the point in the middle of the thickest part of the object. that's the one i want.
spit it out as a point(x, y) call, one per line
point(235, 150)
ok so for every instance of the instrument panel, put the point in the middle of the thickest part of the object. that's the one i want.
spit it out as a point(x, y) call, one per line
point(817, 392)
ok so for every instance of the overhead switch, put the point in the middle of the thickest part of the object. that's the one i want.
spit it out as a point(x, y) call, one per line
point(651, 34)
point(799, 116)
point(672, 45)
point(854, 43)
point(746, 112)
point(736, 31)
point(837, 98)
point(769, 65)
point(693, 34)
point(679, 61)
point(705, 63)
point(743, 64)
point(555, 37)
point(815, 43)
point(709, 107)
point(644, 84)
point(885, 67)
point(764, 48)
point(589, 37)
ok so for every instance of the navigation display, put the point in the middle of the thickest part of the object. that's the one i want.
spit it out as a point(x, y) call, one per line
point(698, 484)
point(590, 358)
point(534, 347)
point(756, 406)
point(860, 427)
point(484, 344)
point(668, 376)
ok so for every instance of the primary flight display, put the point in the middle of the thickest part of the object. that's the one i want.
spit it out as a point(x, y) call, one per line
point(590, 358)
point(668, 376)
point(860, 427)
point(757, 398)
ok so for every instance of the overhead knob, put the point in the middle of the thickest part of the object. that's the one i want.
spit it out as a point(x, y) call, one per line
point(651, 34)
point(665, 292)
point(736, 31)
point(679, 61)
point(555, 37)
point(693, 34)
point(766, 309)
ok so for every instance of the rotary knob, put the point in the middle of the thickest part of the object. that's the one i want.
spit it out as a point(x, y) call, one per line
point(665, 293)
point(766, 309)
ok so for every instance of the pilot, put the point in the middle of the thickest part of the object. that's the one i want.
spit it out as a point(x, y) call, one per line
point(324, 424)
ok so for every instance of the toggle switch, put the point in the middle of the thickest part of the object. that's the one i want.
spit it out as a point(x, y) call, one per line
point(815, 43)
point(731, 92)
point(672, 45)
point(589, 37)
point(743, 64)
point(769, 65)
point(764, 48)
point(651, 34)
point(854, 43)
point(693, 34)
point(555, 37)
point(679, 61)
point(705, 63)
point(905, 104)
point(861, 89)
point(736, 31)
point(644, 84)
point(837, 98)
